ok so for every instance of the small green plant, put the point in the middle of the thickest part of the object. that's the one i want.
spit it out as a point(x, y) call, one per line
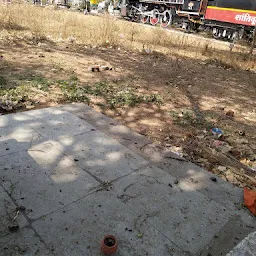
point(153, 98)
point(186, 117)
point(124, 97)
point(40, 82)
point(3, 82)
point(72, 91)
point(18, 94)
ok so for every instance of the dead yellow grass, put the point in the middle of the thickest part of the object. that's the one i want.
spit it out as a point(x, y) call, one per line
point(19, 19)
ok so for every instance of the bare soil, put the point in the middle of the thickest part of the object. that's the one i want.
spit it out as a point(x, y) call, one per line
point(186, 98)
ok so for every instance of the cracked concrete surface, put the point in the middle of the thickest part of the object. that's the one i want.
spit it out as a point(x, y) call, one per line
point(81, 175)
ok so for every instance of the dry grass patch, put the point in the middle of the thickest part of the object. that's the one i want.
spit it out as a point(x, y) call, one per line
point(46, 23)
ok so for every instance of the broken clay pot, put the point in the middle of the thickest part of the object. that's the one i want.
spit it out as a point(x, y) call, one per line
point(109, 245)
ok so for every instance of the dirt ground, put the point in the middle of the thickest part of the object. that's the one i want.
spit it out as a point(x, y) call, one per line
point(174, 101)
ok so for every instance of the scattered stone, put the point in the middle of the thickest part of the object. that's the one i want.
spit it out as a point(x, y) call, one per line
point(30, 106)
point(230, 113)
point(170, 185)
point(41, 55)
point(71, 39)
point(213, 179)
point(176, 182)
point(222, 168)
point(102, 68)
point(42, 44)
point(76, 160)
point(94, 68)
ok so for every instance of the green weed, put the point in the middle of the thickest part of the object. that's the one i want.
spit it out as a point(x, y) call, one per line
point(186, 117)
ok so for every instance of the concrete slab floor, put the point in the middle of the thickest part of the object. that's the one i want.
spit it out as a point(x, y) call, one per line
point(69, 176)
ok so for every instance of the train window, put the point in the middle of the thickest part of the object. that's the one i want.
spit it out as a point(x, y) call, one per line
point(236, 4)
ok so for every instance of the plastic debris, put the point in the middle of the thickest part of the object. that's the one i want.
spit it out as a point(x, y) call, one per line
point(217, 132)
point(217, 143)
point(250, 200)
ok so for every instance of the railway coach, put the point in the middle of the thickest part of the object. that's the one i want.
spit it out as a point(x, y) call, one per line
point(231, 19)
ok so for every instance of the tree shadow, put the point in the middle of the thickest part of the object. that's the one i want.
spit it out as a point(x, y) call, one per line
point(63, 170)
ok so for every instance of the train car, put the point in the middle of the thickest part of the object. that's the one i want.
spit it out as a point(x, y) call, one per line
point(164, 12)
point(226, 18)
point(231, 18)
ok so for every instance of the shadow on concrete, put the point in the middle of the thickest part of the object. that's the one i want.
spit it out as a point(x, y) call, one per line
point(56, 162)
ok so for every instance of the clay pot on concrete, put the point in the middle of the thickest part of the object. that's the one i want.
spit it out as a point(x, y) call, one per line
point(109, 245)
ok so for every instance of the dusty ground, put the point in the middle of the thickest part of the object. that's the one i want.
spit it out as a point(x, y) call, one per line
point(175, 101)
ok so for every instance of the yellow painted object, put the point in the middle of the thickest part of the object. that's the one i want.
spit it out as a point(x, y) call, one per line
point(94, 2)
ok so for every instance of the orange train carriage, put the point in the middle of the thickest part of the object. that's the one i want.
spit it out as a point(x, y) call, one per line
point(229, 19)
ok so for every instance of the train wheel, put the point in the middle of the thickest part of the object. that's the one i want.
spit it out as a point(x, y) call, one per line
point(135, 18)
point(215, 33)
point(155, 18)
point(166, 19)
point(144, 19)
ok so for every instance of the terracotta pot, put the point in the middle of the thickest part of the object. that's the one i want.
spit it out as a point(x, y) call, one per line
point(109, 245)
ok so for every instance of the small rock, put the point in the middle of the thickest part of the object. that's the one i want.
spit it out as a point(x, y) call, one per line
point(71, 39)
point(176, 182)
point(42, 44)
point(29, 106)
point(104, 68)
point(230, 113)
point(222, 168)
point(213, 179)
point(94, 68)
